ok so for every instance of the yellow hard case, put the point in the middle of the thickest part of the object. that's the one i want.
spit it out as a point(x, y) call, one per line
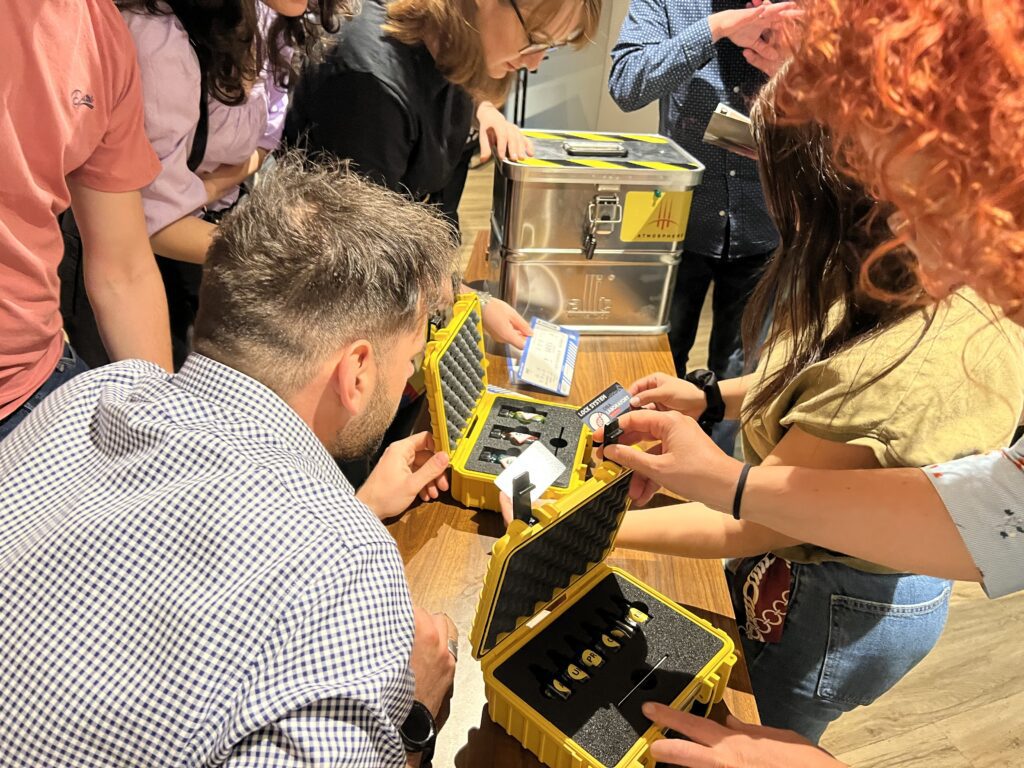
point(471, 487)
point(551, 746)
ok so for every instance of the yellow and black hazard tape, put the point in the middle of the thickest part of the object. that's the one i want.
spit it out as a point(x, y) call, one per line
point(602, 163)
point(647, 138)
point(577, 162)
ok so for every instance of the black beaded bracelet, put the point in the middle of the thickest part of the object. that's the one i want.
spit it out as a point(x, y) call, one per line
point(737, 500)
point(707, 382)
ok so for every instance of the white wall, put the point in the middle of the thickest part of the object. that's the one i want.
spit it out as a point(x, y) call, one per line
point(570, 90)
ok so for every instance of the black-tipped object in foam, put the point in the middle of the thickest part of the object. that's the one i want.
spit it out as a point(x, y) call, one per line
point(594, 718)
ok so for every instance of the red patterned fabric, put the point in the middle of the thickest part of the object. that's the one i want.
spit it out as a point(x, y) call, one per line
point(766, 599)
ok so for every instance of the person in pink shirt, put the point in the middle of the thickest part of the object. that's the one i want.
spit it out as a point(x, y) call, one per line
point(214, 86)
point(71, 133)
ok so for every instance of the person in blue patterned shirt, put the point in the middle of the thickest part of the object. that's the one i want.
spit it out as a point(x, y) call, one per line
point(689, 57)
point(187, 577)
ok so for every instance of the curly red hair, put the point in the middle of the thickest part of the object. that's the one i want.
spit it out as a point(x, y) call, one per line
point(925, 103)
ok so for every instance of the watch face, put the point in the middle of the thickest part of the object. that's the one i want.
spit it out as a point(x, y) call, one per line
point(418, 729)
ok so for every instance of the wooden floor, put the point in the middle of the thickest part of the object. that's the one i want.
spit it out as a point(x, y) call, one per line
point(963, 707)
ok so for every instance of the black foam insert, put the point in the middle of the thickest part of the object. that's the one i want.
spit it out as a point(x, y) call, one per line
point(462, 378)
point(560, 432)
point(548, 561)
point(593, 716)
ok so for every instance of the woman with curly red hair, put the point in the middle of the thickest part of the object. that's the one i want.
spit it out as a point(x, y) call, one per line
point(924, 100)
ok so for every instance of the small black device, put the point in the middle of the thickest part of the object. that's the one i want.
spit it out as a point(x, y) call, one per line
point(522, 508)
point(612, 432)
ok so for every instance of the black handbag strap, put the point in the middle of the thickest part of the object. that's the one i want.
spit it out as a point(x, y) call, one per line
point(195, 156)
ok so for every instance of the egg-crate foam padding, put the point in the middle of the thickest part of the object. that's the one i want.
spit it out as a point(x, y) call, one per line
point(549, 561)
point(560, 432)
point(592, 716)
point(462, 378)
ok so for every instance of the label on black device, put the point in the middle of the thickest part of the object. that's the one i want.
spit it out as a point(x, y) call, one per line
point(610, 404)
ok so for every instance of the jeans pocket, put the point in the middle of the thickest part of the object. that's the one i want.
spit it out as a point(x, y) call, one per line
point(872, 645)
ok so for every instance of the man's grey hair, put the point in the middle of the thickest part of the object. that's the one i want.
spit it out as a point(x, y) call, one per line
point(313, 258)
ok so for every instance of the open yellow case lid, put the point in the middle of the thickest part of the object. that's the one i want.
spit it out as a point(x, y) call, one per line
point(532, 565)
point(455, 369)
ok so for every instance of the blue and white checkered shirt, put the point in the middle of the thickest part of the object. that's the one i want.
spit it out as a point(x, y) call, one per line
point(665, 54)
point(186, 579)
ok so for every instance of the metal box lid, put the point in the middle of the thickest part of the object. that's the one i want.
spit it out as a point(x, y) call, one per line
point(622, 158)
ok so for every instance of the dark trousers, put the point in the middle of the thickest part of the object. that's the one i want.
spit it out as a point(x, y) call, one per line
point(734, 281)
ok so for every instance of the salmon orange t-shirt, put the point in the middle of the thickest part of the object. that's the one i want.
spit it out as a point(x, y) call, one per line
point(69, 83)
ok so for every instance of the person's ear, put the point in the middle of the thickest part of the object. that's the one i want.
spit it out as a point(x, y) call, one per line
point(355, 376)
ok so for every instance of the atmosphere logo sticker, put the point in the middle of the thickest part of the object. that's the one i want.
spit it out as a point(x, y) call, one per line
point(658, 217)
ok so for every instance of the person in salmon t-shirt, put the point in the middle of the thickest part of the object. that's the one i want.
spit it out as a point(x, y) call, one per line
point(71, 133)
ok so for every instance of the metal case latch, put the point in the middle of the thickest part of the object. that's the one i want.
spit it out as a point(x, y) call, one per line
point(603, 213)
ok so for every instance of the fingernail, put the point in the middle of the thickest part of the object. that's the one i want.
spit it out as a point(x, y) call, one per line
point(648, 709)
point(634, 401)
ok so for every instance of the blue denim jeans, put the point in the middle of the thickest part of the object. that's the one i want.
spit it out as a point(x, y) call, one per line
point(68, 366)
point(849, 637)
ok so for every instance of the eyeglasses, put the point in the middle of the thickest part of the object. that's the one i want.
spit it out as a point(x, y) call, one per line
point(540, 46)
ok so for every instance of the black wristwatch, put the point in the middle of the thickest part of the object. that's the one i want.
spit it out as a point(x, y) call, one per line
point(419, 733)
point(707, 382)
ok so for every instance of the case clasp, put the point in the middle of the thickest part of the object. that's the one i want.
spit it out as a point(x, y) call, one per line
point(603, 214)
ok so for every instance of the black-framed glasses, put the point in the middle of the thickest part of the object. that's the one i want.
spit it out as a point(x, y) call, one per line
point(539, 46)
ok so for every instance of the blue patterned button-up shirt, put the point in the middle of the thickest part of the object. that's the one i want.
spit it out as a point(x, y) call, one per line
point(186, 579)
point(665, 52)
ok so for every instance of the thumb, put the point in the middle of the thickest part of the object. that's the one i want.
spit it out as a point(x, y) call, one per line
point(630, 458)
point(647, 396)
point(432, 469)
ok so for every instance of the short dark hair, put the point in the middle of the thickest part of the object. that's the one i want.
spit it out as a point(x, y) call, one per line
point(313, 258)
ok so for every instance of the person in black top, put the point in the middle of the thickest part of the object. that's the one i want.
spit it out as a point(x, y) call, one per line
point(399, 92)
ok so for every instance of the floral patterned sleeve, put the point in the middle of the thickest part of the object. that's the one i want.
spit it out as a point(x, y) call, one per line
point(985, 497)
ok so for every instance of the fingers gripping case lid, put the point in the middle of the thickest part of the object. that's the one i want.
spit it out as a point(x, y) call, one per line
point(456, 373)
point(532, 565)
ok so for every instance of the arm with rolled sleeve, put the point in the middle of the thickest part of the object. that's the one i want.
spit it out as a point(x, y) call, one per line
point(985, 498)
point(648, 61)
point(334, 683)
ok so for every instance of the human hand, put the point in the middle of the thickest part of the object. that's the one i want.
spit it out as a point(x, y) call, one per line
point(744, 26)
point(433, 661)
point(408, 468)
point(685, 461)
point(497, 133)
point(733, 745)
point(775, 45)
point(663, 392)
point(505, 504)
point(224, 177)
point(503, 324)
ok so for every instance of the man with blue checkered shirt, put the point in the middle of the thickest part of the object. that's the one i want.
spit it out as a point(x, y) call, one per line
point(187, 579)
point(690, 56)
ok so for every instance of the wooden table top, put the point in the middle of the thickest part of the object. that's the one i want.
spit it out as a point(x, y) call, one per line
point(446, 549)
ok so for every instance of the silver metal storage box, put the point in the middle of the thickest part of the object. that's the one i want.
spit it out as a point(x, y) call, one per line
point(588, 233)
